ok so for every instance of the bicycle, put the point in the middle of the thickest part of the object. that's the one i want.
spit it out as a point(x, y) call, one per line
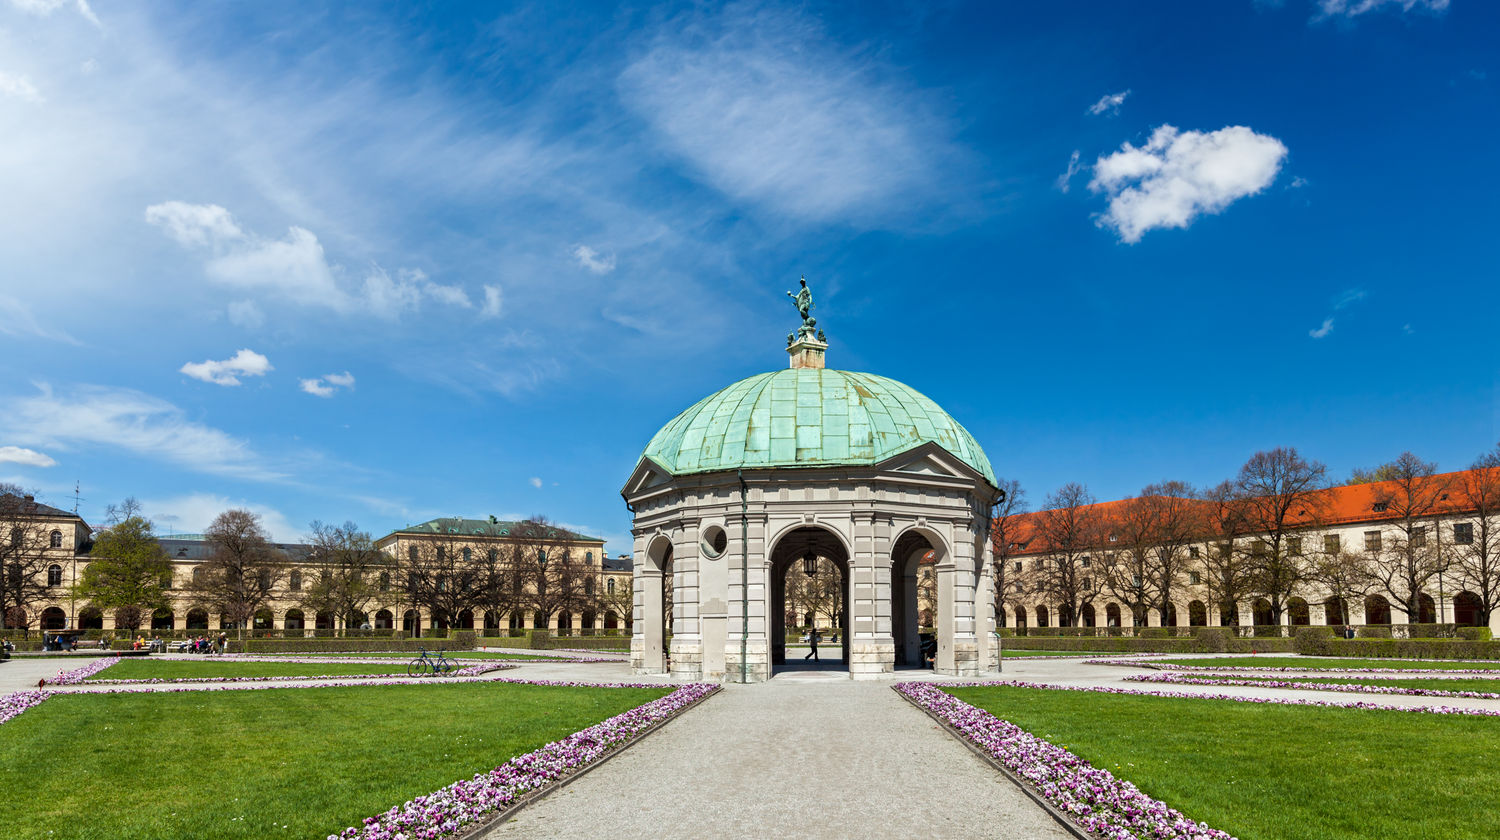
point(426, 664)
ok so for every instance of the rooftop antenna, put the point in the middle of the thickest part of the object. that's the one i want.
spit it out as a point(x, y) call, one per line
point(76, 498)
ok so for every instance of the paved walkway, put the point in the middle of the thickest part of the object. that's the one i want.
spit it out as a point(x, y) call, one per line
point(802, 756)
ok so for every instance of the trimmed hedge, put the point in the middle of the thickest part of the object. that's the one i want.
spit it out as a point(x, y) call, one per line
point(1207, 640)
point(1311, 642)
point(347, 645)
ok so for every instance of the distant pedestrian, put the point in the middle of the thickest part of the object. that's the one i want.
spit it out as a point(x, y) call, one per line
point(1348, 632)
point(812, 639)
point(223, 643)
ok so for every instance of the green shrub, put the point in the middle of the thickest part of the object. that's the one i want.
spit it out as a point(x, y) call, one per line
point(1475, 634)
point(1312, 641)
point(464, 639)
point(540, 639)
point(1374, 631)
point(1212, 639)
point(365, 645)
point(1414, 648)
point(1154, 632)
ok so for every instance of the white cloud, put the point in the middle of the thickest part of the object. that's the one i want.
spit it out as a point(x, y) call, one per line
point(765, 110)
point(47, 7)
point(536, 482)
point(192, 513)
point(591, 260)
point(1179, 175)
point(195, 225)
point(451, 295)
point(244, 313)
point(1297, 183)
point(1341, 302)
point(16, 319)
point(19, 87)
point(1323, 330)
point(1355, 8)
point(294, 268)
point(121, 418)
point(1065, 180)
point(244, 363)
point(493, 301)
point(25, 457)
point(1109, 103)
point(325, 386)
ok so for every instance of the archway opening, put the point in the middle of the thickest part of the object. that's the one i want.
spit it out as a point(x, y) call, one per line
point(1426, 609)
point(1334, 612)
point(915, 615)
point(1087, 614)
point(53, 618)
point(1197, 614)
point(810, 597)
point(1377, 610)
point(1299, 614)
point(197, 619)
point(1467, 610)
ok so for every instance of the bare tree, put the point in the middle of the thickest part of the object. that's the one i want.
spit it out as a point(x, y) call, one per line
point(1477, 546)
point(1155, 532)
point(345, 565)
point(243, 568)
point(553, 577)
point(1414, 555)
point(440, 575)
point(1005, 527)
point(497, 583)
point(1070, 532)
point(25, 536)
point(1279, 494)
point(1344, 574)
point(1226, 573)
point(617, 596)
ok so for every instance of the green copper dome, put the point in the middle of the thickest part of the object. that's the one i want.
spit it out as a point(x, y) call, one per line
point(808, 417)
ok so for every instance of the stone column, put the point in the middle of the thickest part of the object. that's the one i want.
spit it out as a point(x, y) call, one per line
point(871, 650)
point(687, 625)
point(748, 548)
point(648, 636)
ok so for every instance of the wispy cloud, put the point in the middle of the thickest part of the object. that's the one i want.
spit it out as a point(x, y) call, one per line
point(193, 512)
point(246, 362)
point(1109, 103)
point(1342, 301)
point(1355, 8)
point(325, 386)
point(19, 87)
point(592, 260)
point(493, 301)
point(1065, 180)
point(1179, 175)
point(17, 319)
point(763, 107)
point(535, 482)
point(47, 7)
point(125, 419)
point(25, 457)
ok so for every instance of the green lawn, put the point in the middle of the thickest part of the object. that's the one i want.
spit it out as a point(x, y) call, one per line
point(1329, 664)
point(293, 763)
point(176, 669)
point(451, 654)
point(1275, 772)
point(1486, 684)
point(1080, 653)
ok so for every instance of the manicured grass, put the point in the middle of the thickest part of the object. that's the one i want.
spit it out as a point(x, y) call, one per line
point(1009, 654)
point(1328, 664)
point(272, 763)
point(176, 669)
point(1275, 772)
point(1486, 684)
point(408, 655)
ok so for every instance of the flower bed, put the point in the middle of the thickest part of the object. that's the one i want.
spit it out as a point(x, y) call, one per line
point(1416, 672)
point(1183, 679)
point(17, 702)
point(465, 804)
point(471, 671)
point(1092, 797)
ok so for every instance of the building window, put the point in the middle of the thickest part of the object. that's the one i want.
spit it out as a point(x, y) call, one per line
point(1194, 578)
point(1381, 507)
point(1018, 565)
point(609, 586)
point(1294, 545)
point(588, 557)
point(1372, 541)
point(1463, 533)
point(385, 581)
point(411, 554)
point(1331, 543)
point(1113, 538)
point(588, 586)
point(1085, 562)
point(294, 581)
point(56, 541)
point(1193, 551)
point(1135, 580)
point(54, 575)
point(1419, 536)
point(492, 555)
point(468, 556)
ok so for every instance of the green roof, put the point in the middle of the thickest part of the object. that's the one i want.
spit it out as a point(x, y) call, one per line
point(455, 526)
point(808, 417)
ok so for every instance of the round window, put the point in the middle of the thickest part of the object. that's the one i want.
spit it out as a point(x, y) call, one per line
point(715, 540)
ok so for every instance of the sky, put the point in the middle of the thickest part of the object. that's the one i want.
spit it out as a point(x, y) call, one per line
point(384, 262)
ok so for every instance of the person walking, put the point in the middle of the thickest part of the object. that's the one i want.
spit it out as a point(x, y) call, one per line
point(812, 639)
point(223, 643)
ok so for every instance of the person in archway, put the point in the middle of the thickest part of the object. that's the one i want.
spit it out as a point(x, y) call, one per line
point(812, 639)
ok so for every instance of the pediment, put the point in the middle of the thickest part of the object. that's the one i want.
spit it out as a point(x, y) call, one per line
point(647, 474)
point(931, 459)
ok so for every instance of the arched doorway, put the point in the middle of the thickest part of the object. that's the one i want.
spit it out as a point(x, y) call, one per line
point(91, 618)
point(1229, 614)
point(465, 620)
point(1334, 612)
point(915, 590)
point(264, 620)
point(198, 619)
point(384, 620)
point(1377, 610)
point(1426, 609)
point(1020, 621)
point(1170, 619)
point(1042, 616)
point(1262, 610)
point(1467, 609)
point(1197, 614)
point(1298, 613)
point(1088, 615)
point(1112, 615)
point(53, 618)
point(324, 620)
point(162, 619)
point(809, 571)
point(411, 624)
point(655, 593)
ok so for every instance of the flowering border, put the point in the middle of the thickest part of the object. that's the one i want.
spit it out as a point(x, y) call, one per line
point(1348, 688)
point(17, 702)
point(1091, 797)
point(469, 804)
point(376, 660)
point(470, 671)
point(1273, 669)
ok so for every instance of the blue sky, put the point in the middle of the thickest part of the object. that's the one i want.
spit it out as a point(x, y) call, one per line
point(385, 262)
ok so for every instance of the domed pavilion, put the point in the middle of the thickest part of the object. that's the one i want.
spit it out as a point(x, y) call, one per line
point(802, 465)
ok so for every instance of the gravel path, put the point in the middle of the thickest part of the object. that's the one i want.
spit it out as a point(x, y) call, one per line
point(803, 756)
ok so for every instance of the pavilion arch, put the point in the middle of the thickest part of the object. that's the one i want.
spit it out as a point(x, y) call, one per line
point(908, 551)
point(1197, 614)
point(1042, 615)
point(1086, 616)
point(1169, 618)
point(1426, 609)
point(162, 619)
point(411, 623)
point(1335, 612)
point(293, 620)
point(1468, 610)
point(654, 599)
point(197, 619)
point(787, 553)
point(1298, 614)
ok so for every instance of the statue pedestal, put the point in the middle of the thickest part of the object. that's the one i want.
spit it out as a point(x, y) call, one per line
point(807, 352)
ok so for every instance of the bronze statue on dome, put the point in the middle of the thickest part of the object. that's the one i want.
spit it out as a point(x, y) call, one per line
point(804, 302)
